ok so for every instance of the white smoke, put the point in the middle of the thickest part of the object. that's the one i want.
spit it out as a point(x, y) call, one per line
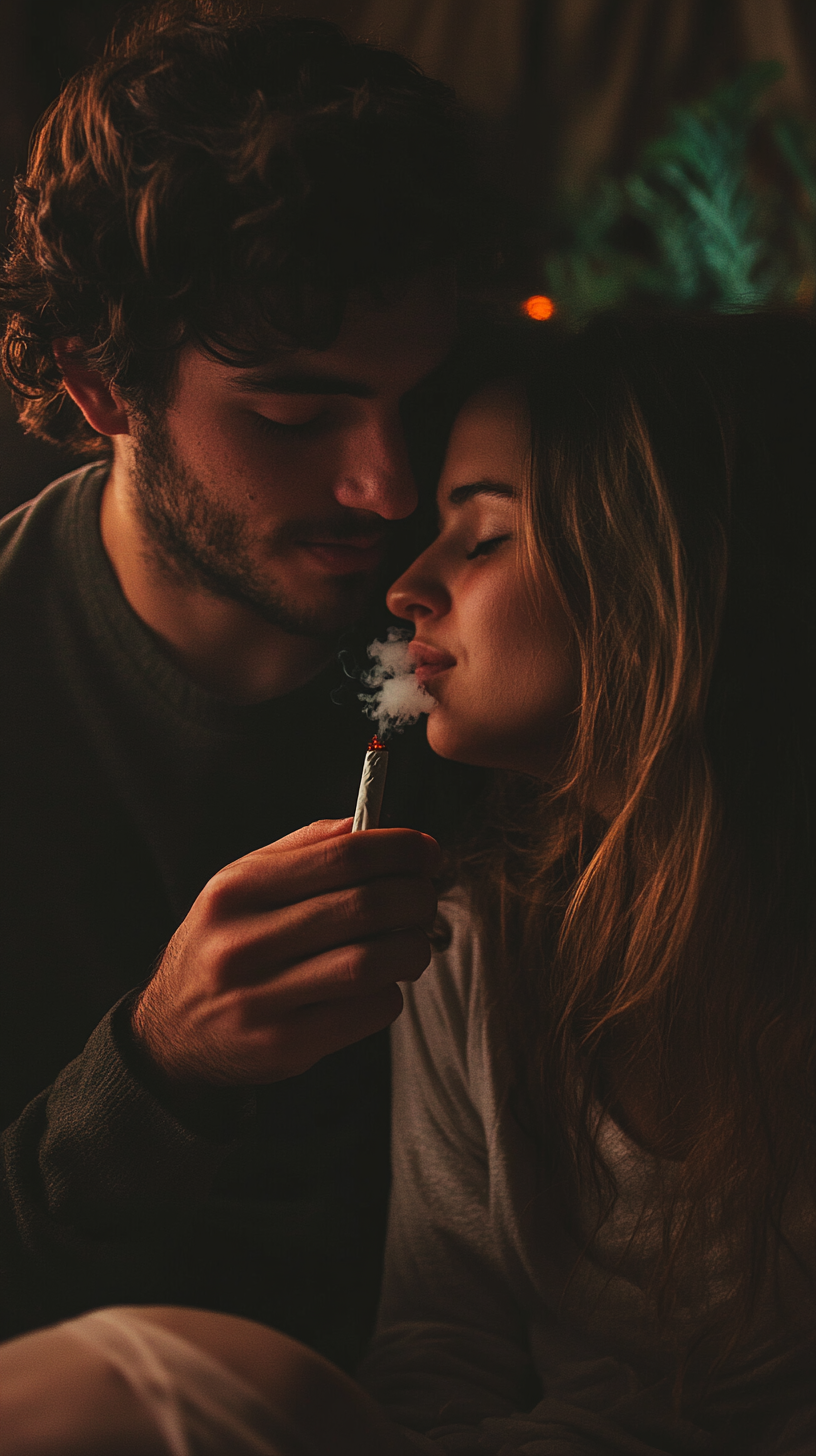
point(396, 699)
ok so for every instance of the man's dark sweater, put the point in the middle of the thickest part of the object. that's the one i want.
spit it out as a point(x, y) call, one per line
point(124, 788)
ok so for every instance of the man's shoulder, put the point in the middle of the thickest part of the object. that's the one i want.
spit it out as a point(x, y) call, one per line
point(30, 528)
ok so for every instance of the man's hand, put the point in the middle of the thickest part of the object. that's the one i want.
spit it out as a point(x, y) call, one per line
point(291, 953)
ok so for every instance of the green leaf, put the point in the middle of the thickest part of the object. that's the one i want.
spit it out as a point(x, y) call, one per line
point(710, 234)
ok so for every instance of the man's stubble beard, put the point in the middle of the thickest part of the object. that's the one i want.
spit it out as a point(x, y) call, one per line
point(196, 538)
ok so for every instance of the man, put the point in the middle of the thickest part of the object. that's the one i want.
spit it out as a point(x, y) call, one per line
point(233, 260)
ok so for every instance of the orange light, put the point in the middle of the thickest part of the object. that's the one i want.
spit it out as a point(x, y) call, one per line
point(375, 745)
point(806, 291)
point(538, 307)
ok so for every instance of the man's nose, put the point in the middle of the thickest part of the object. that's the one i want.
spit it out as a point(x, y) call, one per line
point(376, 474)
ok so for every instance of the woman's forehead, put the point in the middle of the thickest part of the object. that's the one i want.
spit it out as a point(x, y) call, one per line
point(489, 439)
point(501, 399)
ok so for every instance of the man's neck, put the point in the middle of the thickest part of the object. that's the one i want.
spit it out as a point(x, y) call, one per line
point(222, 645)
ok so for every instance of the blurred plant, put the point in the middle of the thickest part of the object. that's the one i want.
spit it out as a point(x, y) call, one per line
point(720, 213)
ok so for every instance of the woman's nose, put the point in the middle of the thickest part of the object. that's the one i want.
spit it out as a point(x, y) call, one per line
point(419, 592)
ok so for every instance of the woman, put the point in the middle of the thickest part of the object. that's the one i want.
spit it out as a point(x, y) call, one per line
point(603, 1202)
point(602, 1232)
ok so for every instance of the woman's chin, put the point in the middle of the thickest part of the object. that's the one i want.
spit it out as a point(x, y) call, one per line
point(465, 743)
point(449, 742)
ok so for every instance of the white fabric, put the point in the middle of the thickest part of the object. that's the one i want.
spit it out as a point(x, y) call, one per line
point(479, 1315)
point(199, 1406)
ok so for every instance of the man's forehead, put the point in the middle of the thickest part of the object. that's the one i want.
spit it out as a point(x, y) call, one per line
point(380, 345)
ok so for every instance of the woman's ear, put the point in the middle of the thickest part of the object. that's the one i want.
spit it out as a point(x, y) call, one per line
point(99, 401)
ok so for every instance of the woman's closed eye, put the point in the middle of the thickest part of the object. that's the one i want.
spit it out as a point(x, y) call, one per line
point(488, 546)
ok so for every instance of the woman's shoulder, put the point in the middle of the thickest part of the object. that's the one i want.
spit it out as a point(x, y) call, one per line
point(442, 1063)
point(444, 1008)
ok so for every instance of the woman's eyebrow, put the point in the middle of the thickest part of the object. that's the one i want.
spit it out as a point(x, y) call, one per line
point(462, 493)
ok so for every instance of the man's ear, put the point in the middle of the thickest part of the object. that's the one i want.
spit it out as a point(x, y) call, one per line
point(99, 401)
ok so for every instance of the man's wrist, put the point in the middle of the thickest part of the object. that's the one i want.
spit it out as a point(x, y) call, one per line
point(213, 1112)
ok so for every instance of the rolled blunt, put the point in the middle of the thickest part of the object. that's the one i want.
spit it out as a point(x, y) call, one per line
point(372, 784)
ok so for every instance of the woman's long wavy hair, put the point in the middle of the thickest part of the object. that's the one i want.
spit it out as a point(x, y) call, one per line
point(658, 896)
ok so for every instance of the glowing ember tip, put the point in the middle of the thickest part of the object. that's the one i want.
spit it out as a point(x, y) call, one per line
point(375, 744)
point(538, 307)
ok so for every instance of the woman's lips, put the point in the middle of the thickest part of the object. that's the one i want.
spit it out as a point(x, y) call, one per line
point(430, 661)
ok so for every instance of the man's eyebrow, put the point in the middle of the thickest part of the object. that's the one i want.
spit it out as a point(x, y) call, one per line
point(462, 493)
point(301, 383)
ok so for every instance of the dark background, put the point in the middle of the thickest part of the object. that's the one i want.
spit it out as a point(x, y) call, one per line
point(559, 89)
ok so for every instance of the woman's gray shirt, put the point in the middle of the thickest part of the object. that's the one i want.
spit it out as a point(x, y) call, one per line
point(494, 1334)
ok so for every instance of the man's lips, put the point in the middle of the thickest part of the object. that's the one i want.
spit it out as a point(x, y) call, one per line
point(430, 661)
point(360, 553)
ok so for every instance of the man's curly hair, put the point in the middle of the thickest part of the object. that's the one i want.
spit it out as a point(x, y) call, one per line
point(226, 180)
